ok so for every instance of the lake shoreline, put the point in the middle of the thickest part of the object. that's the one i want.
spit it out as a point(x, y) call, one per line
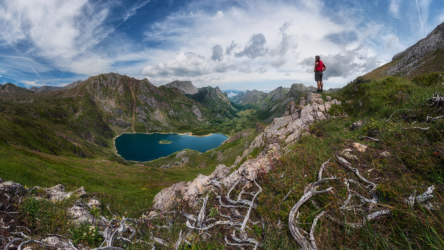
point(163, 133)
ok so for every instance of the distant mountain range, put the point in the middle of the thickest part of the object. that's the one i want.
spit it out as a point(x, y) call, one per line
point(91, 112)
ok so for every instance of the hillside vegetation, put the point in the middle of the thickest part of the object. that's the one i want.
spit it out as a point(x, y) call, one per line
point(404, 155)
point(360, 168)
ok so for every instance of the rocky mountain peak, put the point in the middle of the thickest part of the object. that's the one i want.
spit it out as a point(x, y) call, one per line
point(186, 87)
point(414, 56)
point(12, 89)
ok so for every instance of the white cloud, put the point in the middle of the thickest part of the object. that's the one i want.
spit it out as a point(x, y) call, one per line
point(269, 38)
point(394, 7)
point(219, 14)
point(231, 94)
point(133, 10)
point(68, 34)
point(392, 42)
point(350, 62)
point(184, 64)
point(32, 83)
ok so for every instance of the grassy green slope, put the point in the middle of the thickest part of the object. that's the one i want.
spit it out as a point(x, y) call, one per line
point(391, 107)
point(415, 163)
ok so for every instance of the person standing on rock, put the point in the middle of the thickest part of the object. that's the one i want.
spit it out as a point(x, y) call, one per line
point(319, 68)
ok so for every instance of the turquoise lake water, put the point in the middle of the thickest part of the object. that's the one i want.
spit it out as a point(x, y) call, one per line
point(146, 147)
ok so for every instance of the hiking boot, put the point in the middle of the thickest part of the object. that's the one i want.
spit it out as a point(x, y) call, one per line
point(321, 91)
point(317, 91)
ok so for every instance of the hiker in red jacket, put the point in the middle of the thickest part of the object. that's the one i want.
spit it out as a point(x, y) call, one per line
point(319, 69)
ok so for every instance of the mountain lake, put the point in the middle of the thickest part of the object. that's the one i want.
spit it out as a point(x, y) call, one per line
point(147, 147)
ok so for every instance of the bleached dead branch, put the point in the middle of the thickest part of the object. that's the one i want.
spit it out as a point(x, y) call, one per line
point(310, 191)
point(420, 198)
point(30, 241)
point(424, 129)
point(434, 118)
point(371, 138)
point(251, 207)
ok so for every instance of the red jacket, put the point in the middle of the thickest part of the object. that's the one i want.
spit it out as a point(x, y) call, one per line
point(320, 66)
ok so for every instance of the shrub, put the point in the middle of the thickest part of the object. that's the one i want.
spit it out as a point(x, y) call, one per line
point(428, 79)
point(87, 234)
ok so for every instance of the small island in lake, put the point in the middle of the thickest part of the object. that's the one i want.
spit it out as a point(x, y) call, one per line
point(165, 142)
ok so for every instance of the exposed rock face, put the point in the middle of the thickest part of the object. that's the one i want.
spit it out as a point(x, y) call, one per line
point(123, 124)
point(44, 89)
point(285, 130)
point(414, 56)
point(197, 112)
point(212, 97)
point(73, 84)
point(185, 86)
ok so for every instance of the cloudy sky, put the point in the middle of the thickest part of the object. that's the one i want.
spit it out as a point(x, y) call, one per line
point(243, 44)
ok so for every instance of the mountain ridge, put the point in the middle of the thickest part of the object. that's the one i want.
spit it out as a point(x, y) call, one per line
point(185, 86)
point(425, 56)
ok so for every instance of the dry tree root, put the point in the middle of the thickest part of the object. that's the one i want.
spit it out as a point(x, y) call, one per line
point(307, 239)
point(424, 129)
point(371, 138)
point(235, 222)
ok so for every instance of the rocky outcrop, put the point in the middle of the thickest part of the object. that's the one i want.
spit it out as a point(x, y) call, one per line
point(186, 87)
point(57, 193)
point(414, 56)
point(197, 112)
point(73, 84)
point(11, 187)
point(283, 131)
point(187, 190)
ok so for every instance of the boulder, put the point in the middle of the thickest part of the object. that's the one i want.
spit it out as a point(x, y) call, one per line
point(347, 154)
point(360, 147)
point(11, 187)
point(328, 98)
point(57, 193)
point(356, 125)
point(58, 243)
point(80, 214)
point(313, 97)
point(94, 202)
